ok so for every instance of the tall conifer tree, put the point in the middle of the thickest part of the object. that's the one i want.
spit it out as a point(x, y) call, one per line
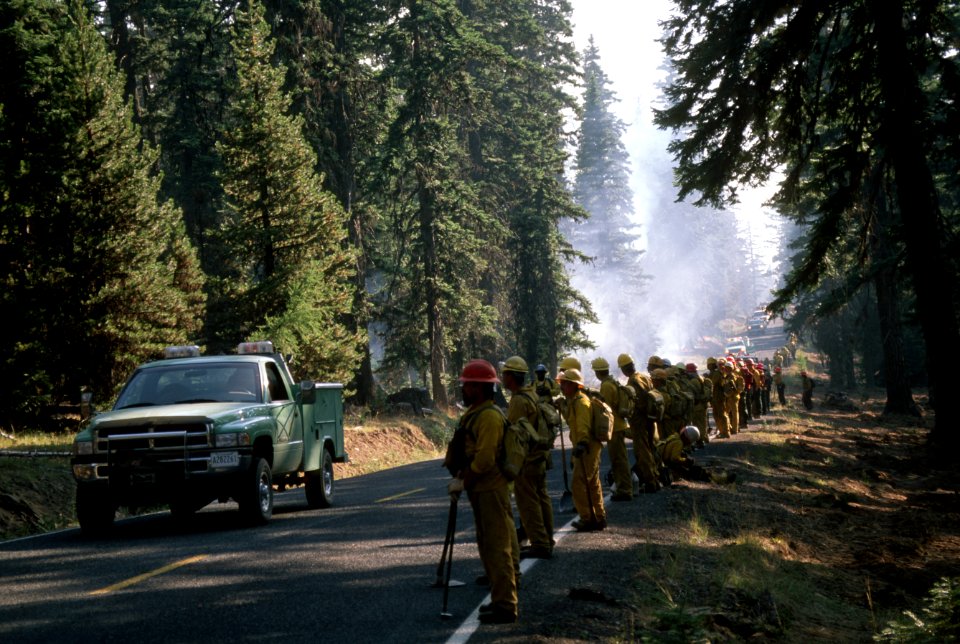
point(602, 188)
point(288, 271)
point(97, 271)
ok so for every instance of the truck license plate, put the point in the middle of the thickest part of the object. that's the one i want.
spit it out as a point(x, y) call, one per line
point(224, 459)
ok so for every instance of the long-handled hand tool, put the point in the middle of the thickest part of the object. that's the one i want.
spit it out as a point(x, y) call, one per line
point(447, 546)
point(452, 529)
point(566, 499)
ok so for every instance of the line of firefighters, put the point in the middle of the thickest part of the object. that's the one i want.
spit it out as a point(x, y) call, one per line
point(667, 419)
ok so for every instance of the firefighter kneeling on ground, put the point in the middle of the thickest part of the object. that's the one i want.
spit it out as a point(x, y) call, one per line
point(678, 464)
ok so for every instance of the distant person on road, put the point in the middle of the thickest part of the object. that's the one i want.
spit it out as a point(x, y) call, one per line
point(530, 487)
point(587, 493)
point(617, 445)
point(547, 388)
point(778, 381)
point(481, 428)
point(807, 386)
point(767, 386)
point(718, 401)
point(643, 424)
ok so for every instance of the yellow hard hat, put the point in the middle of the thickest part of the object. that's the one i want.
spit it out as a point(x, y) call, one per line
point(624, 359)
point(571, 375)
point(711, 360)
point(654, 361)
point(659, 374)
point(599, 364)
point(569, 363)
point(515, 363)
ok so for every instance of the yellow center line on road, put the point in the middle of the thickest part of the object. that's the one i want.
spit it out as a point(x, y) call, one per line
point(147, 575)
point(401, 495)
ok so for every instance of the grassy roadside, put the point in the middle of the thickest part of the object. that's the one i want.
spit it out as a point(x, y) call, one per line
point(838, 524)
point(36, 493)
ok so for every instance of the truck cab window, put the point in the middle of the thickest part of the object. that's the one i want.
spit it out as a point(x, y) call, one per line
point(275, 383)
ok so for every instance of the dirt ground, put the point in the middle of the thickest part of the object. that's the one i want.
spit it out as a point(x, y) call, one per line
point(839, 520)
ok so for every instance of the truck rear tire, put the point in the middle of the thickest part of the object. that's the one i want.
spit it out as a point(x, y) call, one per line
point(95, 510)
point(319, 485)
point(255, 496)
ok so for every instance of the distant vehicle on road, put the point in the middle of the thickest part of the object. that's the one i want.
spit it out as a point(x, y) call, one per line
point(737, 345)
point(757, 322)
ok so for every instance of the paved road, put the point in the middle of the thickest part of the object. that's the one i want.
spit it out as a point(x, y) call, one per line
point(360, 571)
point(765, 341)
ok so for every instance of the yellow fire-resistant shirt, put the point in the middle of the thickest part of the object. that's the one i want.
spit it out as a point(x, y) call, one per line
point(483, 443)
point(578, 418)
point(671, 451)
point(610, 391)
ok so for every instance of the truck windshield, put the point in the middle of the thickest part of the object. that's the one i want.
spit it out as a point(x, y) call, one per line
point(184, 384)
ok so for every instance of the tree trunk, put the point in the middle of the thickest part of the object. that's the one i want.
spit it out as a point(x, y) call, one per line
point(919, 207)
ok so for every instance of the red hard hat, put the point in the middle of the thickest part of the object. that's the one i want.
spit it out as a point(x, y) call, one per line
point(691, 368)
point(777, 369)
point(479, 371)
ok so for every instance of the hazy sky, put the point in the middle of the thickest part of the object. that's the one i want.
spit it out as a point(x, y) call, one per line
point(626, 33)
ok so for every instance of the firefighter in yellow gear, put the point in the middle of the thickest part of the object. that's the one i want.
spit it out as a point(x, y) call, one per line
point(674, 402)
point(547, 388)
point(643, 428)
point(617, 445)
point(695, 382)
point(717, 400)
point(675, 458)
point(530, 486)
point(482, 426)
point(587, 493)
point(732, 386)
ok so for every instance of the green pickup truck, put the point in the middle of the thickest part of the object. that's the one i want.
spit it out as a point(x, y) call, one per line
point(190, 429)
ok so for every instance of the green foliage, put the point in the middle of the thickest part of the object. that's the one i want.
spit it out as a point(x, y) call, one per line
point(97, 274)
point(286, 271)
point(938, 621)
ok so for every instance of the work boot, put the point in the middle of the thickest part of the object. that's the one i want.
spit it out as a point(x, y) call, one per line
point(621, 497)
point(486, 608)
point(482, 580)
point(498, 615)
point(536, 552)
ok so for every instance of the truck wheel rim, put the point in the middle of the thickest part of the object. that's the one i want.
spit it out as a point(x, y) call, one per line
point(328, 479)
point(264, 489)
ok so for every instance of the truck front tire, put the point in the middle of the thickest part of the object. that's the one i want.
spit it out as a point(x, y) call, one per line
point(95, 510)
point(319, 485)
point(256, 494)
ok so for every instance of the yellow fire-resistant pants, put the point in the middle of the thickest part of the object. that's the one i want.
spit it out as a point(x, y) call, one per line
point(733, 413)
point(534, 503)
point(587, 493)
point(720, 417)
point(700, 420)
point(643, 452)
point(620, 463)
point(497, 543)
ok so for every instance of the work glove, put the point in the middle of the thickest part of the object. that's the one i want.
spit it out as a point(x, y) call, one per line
point(454, 488)
point(580, 449)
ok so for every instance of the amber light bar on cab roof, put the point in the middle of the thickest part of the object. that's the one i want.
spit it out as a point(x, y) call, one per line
point(185, 351)
point(246, 348)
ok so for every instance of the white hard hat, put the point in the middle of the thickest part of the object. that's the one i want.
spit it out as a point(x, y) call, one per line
point(691, 433)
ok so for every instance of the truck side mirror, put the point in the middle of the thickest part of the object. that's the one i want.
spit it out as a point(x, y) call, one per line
point(308, 392)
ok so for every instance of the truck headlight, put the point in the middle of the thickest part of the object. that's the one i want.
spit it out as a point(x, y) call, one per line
point(82, 448)
point(226, 440)
point(233, 439)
